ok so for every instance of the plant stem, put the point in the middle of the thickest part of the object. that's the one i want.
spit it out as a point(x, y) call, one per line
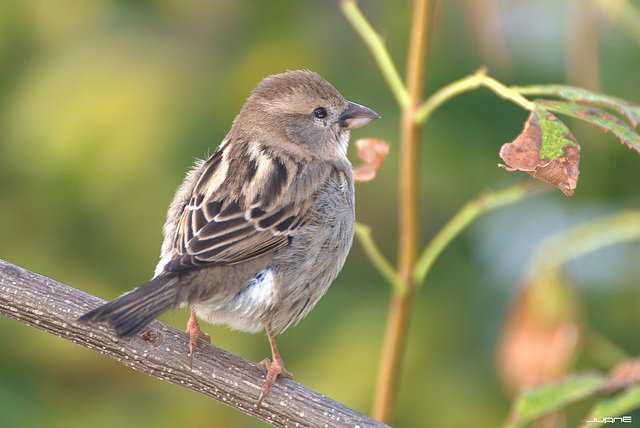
point(469, 83)
point(465, 216)
point(392, 356)
point(585, 238)
point(378, 260)
point(394, 342)
point(378, 49)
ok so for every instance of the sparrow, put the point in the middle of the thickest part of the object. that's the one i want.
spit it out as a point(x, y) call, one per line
point(257, 233)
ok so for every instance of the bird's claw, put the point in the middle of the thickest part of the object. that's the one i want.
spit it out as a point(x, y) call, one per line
point(274, 369)
point(195, 333)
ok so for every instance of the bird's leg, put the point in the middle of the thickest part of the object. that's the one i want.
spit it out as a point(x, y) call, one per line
point(274, 368)
point(193, 328)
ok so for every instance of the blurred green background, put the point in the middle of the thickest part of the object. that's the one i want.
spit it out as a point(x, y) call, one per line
point(105, 104)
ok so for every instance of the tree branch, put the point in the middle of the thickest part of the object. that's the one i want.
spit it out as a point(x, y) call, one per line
point(161, 351)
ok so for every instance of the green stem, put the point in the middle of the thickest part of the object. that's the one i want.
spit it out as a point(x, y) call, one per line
point(378, 49)
point(378, 260)
point(585, 238)
point(469, 83)
point(473, 209)
point(507, 93)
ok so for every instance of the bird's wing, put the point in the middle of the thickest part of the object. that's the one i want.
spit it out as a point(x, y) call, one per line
point(221, 225)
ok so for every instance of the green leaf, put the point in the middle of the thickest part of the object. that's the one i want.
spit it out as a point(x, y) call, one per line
point(617, 406)
point(549, 398)
point(556, 137)
point(604, 120)
point(579, 95)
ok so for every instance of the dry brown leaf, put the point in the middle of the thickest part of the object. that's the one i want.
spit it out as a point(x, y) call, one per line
point(540, 334)
point(373, 152)
point(524, 153)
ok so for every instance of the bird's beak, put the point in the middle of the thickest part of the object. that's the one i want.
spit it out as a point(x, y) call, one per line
point(356, 116)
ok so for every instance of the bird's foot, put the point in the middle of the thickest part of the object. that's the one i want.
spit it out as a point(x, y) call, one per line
point(193, 328)
point(274, 369)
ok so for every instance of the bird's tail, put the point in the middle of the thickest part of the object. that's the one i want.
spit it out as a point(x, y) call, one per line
point(132, 311)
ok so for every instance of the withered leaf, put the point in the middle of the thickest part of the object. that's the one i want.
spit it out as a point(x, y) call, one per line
point(373, 152)
point(540, 334)
point(546, 149)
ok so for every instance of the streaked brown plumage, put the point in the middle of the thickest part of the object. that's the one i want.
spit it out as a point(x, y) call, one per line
point(256, 234)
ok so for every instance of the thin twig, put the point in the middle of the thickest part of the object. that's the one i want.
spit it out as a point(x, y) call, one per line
point(469, 83)
point(585, 238)
point(160, 351)
point(378, 260)
point(378, 49)
point(473, 209)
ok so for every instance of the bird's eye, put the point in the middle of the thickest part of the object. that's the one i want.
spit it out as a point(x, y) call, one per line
point(320, 112)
